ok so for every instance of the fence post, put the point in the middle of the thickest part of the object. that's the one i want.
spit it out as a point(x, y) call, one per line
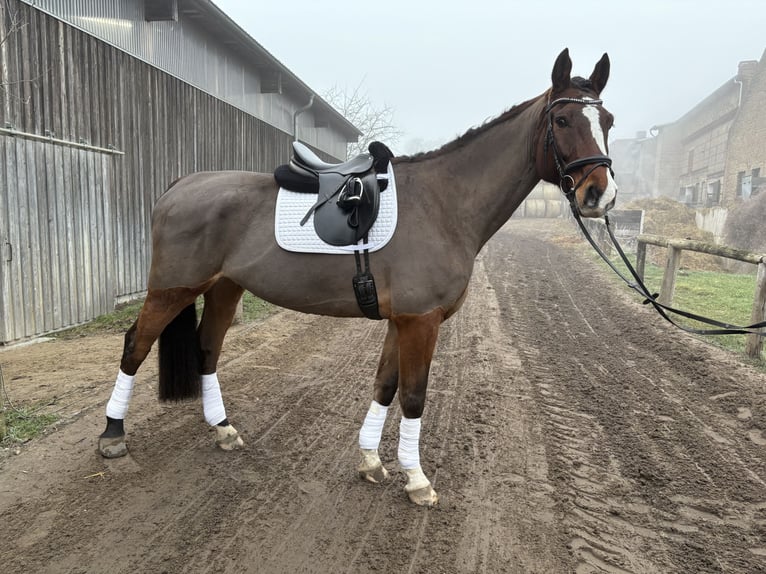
point(641, 259)
point(669, 276)
point(754, 344)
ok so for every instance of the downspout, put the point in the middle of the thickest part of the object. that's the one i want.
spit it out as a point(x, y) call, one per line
point(739, 98)
point(298, 112)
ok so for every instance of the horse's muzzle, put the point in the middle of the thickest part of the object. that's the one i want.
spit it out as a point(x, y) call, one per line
point(597, 195)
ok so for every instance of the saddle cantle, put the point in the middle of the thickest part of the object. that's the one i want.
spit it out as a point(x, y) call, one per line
point(348, 193)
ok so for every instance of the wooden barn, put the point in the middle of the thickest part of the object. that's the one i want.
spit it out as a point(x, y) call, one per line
point(102, 105)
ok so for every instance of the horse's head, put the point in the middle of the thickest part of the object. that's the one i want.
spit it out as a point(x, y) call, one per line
point(572, 149)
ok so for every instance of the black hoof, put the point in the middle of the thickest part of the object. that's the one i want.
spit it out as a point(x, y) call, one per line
point(111, 442)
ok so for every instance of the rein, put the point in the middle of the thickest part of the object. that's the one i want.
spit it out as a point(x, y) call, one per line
point(651, 298)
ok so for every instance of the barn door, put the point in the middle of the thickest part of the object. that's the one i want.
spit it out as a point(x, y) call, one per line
point(56, 232)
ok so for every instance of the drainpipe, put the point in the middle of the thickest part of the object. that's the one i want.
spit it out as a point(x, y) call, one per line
point(298, 112)
point(739, 98)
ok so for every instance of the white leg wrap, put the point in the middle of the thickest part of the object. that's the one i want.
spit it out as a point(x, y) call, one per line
point(117, 407)
point(409, 443)
point(212, 401)
point(372, 428)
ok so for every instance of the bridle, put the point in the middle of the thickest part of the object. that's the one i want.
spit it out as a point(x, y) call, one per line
point(567, 183)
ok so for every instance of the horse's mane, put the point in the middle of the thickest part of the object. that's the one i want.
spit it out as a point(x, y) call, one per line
point(576, 82)
point(470, 135)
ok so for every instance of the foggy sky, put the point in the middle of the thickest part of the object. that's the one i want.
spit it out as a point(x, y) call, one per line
point(447, 66)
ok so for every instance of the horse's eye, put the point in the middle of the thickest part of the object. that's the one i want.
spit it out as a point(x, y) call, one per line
point(562, 122)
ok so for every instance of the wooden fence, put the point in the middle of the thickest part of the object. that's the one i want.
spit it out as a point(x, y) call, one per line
point(754, 343)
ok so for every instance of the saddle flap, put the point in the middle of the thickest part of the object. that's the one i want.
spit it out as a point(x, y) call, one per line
point(349, 213)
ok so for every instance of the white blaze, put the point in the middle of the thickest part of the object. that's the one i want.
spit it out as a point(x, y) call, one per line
point(592, 113)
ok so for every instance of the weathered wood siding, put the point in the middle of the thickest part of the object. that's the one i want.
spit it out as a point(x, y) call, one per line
point(74, 220)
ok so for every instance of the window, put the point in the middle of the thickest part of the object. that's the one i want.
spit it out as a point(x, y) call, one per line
point(746, 187)
point(713, 193)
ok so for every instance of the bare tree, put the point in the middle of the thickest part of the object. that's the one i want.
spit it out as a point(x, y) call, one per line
point(10, 26)
point(375, 123)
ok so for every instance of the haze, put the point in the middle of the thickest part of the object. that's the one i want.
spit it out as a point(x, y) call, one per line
point(445, 67)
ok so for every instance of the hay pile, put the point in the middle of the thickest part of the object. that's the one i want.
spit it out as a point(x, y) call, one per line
point(669, 218)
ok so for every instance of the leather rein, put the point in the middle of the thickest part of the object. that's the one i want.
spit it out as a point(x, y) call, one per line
point(568, 187)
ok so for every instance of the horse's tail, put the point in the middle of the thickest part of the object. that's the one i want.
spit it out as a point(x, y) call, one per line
point(180, 358)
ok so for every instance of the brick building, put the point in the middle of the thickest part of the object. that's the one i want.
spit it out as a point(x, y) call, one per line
point(713, 156)
point(745, 171)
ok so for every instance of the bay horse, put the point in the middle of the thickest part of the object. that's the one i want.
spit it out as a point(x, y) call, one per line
point(213, 235)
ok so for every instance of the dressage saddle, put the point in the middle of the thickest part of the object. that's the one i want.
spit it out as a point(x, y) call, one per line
point(348, 193)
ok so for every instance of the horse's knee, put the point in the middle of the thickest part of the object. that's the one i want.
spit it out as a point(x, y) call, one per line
point(412, 405)
point(385, 389)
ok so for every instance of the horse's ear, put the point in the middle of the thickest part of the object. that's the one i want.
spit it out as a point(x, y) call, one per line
point(600, 74)
point(562, 70)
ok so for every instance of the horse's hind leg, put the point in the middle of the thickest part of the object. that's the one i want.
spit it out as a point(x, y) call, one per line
point(160, 309)
point(386, 382)
point(220, 305)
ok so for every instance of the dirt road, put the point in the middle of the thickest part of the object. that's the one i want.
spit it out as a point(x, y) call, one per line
point(567, 430)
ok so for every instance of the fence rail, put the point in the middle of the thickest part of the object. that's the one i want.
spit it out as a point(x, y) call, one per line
point(754, 343)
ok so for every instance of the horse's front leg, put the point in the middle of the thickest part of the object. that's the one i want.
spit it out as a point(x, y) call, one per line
point(417, 336)
point(386, 382)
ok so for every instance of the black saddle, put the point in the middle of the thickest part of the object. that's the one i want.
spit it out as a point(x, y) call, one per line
point(348, 193)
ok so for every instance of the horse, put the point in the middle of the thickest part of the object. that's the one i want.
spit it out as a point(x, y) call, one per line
point(213, 236)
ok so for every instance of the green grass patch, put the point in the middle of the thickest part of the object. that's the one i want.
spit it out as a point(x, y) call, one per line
point(725, 297)
point(118, 321)
point(23, 424)
point(255, 308)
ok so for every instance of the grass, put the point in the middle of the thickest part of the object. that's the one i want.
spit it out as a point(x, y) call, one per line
point(22, 424)
point(725, 297)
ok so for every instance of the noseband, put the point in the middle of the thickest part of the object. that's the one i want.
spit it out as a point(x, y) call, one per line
point(566, 181)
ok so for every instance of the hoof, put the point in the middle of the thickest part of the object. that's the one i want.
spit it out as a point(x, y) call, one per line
point(227, 438)
point(371, 469)
point(424, 496)
point(112, 447)
point(375, 475)
point(419, 489)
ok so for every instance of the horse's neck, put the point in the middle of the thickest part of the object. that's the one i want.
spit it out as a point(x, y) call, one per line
point(492, 174)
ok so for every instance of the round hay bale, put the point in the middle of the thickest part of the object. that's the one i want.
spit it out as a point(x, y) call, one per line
point(535, 208)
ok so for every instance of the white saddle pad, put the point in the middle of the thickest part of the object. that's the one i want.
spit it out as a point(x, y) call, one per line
point(293, 206)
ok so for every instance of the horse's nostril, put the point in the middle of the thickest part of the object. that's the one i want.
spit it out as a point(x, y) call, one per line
point(591, 196)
